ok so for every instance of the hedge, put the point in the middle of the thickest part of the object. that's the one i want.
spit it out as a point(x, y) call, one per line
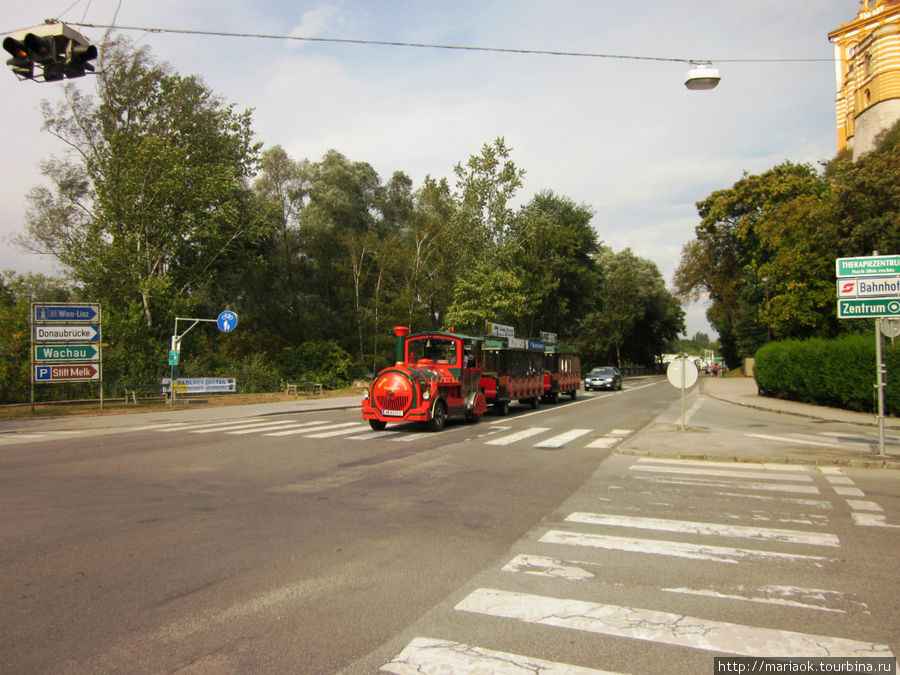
point(837, 373)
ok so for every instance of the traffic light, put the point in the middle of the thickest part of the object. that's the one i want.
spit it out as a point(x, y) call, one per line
point(57, 49)
point(78, 58)
point(21, 63)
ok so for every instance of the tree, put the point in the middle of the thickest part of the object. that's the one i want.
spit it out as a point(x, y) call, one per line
point(751, 236)
point(152, 201)
point(556, 245)
point(488, 285)
point(17, 292)
point(639, 316)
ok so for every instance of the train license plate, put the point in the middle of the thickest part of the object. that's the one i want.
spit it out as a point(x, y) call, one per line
point(392, 413)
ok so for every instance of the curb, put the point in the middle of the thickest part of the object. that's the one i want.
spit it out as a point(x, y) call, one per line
point(853, 462)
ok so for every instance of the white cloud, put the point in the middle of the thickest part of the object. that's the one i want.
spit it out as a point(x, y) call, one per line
point(622, 136)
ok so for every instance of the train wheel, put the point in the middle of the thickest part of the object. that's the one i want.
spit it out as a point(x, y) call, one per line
point(554, 397)
point(573, 394)
point(533, 402)
point(436, 423)
point(377, 425)
point(502, 407)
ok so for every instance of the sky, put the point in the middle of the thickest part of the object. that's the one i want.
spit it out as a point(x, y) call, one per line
point(622, 136)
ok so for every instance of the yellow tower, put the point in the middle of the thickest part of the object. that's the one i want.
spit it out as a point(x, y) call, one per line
point(867, 69)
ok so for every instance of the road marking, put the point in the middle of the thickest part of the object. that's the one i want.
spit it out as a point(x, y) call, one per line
point(429, 655)
point(408, 438)
point(269, 426)
point(862, 505)
point(560, 440)
point(839, 480)
point(788, 439)
point(677, 549)
point(374, 434)
point(661, 627)
point(605, 442)
point(319, 426)
point(849, 492)
point(722, 473)
point(339, 432)
point(727, 465)
point(713, 529)
point(871, 520)
point(518, 436)
point(230, 427)
point(771, 487)
point(543, 566)
point(221, 424)
point(773, 595)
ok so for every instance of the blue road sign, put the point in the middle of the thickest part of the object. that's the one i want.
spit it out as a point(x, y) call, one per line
point(84, 313)
point(227, 321)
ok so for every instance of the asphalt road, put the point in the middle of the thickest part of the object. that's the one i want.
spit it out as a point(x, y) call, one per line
point(307, 543)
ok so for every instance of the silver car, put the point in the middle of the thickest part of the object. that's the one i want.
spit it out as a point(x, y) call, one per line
point(606, 377)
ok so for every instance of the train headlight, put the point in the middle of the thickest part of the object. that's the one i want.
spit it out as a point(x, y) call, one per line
point(366, 395)
point(426, 395)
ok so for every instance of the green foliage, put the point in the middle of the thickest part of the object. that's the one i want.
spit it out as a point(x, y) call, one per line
point(639, 316)
point(17, 292)
point(838, 373)
point(254, 374)
point(765, 248)
point(319, 361)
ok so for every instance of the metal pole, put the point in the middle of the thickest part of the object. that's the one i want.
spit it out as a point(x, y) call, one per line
point(683, 382)
point(879, 385)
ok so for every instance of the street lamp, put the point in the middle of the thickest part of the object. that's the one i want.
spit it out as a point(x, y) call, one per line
point(702, 77)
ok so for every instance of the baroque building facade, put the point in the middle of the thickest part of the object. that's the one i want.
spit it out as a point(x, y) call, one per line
point(867, 70)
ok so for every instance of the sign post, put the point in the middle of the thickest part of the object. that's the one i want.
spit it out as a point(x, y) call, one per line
point(869, 288)
point(66, 344)
point(226, 321)
point(682, 373)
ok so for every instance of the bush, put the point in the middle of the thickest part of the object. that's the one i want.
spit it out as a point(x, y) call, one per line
point(319, 361)
point(254, 375)
point(838, 373)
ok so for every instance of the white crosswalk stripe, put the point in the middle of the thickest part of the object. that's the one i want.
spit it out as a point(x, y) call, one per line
point(518, 436)
point(591, 568)
point(562, 439)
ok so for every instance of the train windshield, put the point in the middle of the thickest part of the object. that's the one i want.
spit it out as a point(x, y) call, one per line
point(441, 351)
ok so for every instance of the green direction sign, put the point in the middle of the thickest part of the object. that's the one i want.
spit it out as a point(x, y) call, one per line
point(869, 309)
point(67, 353)
point(862, 267)
point(173, 357)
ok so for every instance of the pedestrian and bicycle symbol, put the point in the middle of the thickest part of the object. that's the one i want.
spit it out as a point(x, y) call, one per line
point(227, 321)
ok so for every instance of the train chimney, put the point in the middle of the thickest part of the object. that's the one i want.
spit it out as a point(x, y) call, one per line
point(401, 332)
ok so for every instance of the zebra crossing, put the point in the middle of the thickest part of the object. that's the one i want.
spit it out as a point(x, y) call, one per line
point(784, 540)
point(500, 434)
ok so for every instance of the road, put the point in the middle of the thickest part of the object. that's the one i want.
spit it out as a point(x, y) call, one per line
point(307, 543)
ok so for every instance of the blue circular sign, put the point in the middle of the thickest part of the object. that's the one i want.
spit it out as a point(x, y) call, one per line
point(227, 321)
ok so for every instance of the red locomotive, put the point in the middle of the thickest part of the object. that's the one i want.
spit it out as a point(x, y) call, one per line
point(439, 374)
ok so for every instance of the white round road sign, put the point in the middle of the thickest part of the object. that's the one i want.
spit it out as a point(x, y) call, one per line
point(682, 373)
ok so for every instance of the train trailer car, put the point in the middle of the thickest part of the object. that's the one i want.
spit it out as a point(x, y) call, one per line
point(513, 371)
point(436, 375)
point(562, 371)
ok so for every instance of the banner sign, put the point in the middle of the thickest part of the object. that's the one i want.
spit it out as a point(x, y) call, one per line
point(499, 330)
point(199, 385)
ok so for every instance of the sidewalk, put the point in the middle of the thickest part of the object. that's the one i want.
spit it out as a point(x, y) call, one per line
point(666, 439)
